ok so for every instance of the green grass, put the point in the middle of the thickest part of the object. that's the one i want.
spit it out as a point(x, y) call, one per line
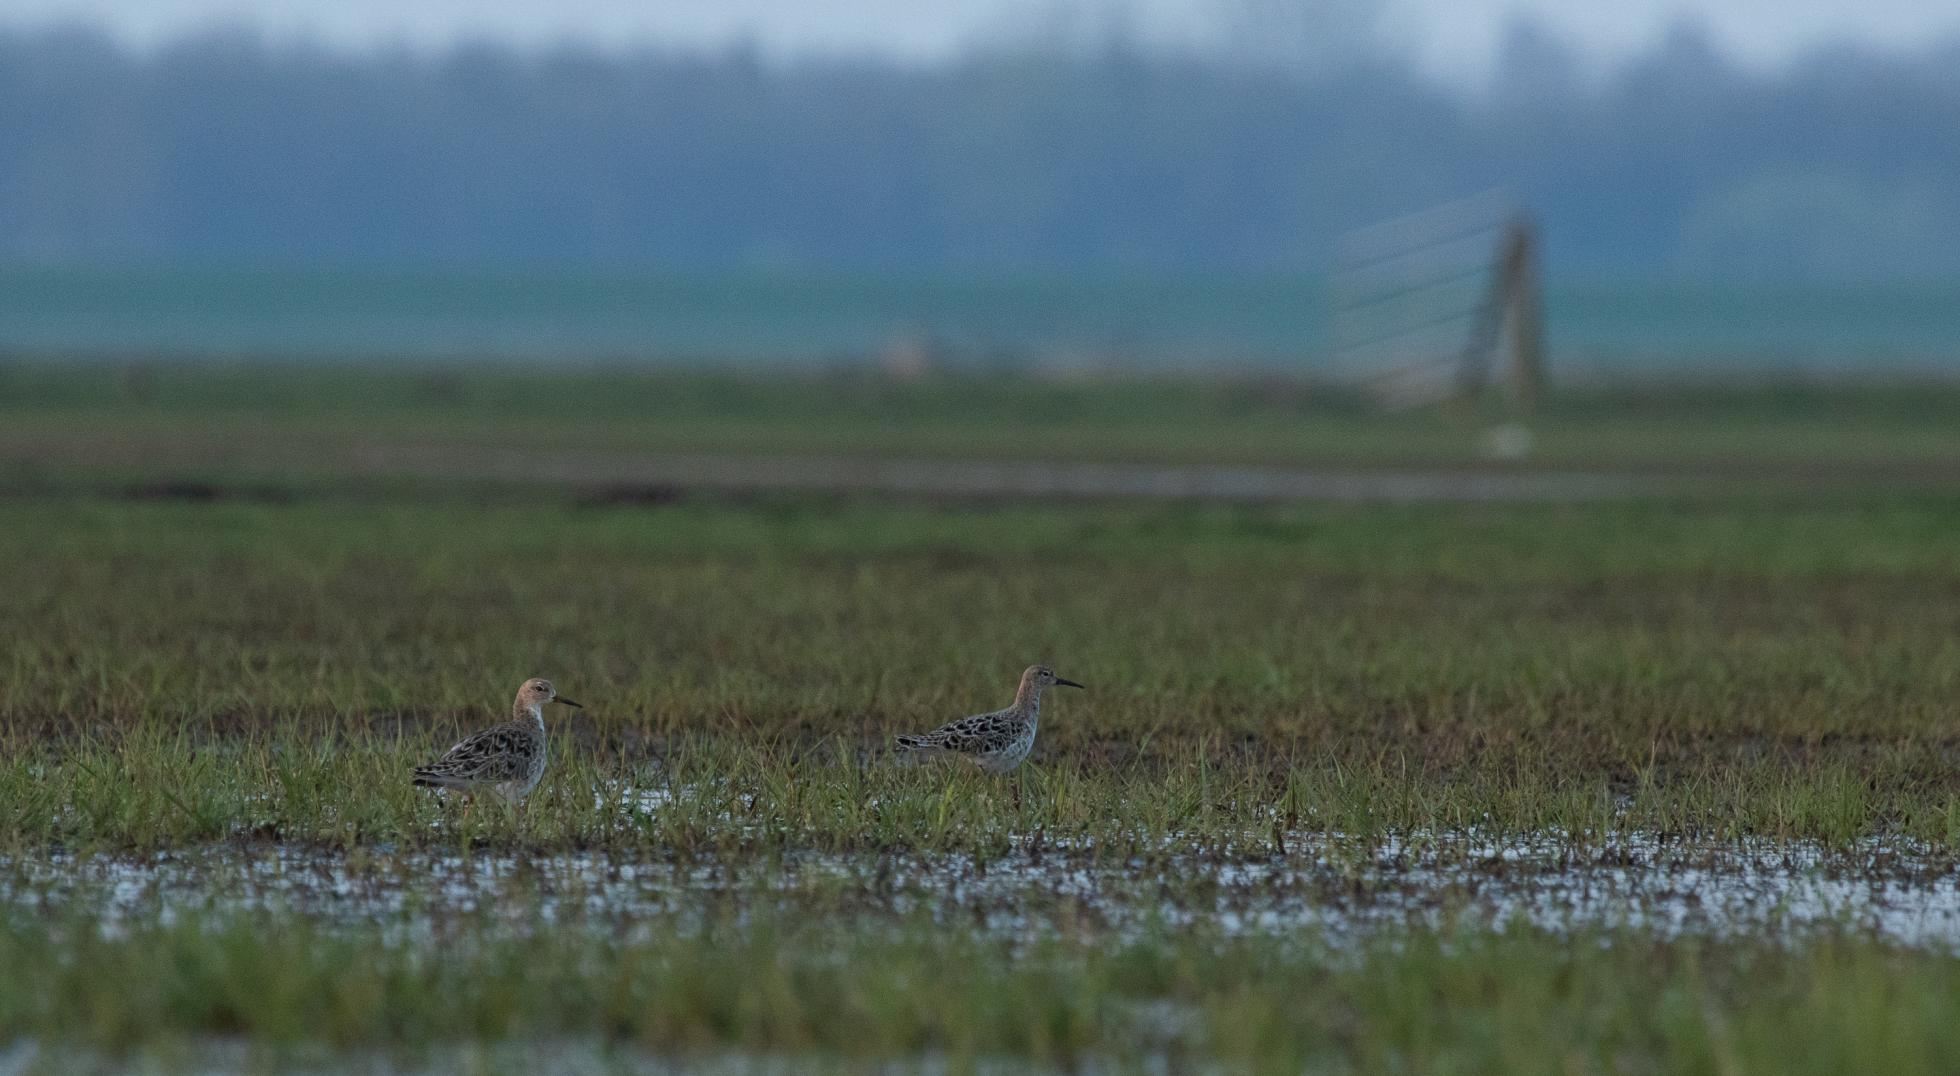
point(261, 669)
point(65, 421)
point(183, 672)
point(1425, 1001)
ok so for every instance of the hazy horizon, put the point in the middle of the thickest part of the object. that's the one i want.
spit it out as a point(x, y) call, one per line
point(1459, 42)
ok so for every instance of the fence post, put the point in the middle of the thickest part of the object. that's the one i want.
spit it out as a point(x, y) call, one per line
point(1524, 309)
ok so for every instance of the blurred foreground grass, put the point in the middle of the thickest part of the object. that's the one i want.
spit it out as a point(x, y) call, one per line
point(748, 995)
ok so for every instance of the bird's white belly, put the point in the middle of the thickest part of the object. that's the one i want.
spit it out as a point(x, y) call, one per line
point(1010, 756)
point(512, 791)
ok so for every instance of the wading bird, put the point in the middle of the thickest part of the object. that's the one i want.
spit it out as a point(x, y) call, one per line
point(505, 759)
point(996, 742)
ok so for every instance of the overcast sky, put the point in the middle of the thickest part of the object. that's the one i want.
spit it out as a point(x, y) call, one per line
point(1453, 37)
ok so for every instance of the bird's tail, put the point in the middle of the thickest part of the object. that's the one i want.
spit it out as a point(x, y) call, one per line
point(917, 743)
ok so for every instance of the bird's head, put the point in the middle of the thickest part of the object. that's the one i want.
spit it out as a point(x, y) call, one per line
point(538, 691)
point(1039, 676)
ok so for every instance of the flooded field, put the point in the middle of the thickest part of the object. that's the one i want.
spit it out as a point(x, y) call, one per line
point(1385, 771)
point(1332, 887)
point(1055, 956)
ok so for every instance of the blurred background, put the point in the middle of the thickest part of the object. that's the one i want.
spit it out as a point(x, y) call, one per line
point(1736, 187)
point(1222, 249)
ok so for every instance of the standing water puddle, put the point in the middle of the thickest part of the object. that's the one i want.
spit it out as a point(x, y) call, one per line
point(1337, 886)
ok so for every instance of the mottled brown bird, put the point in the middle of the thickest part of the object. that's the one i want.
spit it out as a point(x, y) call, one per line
point(505, 759)
point(998, 741)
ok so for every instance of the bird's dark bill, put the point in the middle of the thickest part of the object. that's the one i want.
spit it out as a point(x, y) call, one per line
point(1066, 683)
point(568, 702)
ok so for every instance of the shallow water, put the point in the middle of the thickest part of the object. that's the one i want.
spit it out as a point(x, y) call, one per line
point(1339, 887)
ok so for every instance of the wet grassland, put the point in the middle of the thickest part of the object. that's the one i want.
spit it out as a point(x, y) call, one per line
point(1662, 782)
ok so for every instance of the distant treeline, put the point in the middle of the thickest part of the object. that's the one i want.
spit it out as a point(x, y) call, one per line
point(1123, 159)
